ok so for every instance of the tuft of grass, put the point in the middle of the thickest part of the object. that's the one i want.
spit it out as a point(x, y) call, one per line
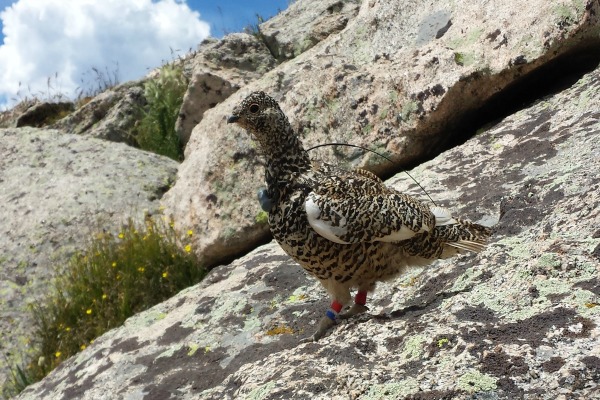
point(18, 380)
point(116, 277)
point(254, 28)
point(156, 130)
point(94, 82)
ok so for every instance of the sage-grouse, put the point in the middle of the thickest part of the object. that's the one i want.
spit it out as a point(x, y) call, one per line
point(346, 228)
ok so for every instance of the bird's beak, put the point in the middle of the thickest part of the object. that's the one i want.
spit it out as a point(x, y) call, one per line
point(232, 119)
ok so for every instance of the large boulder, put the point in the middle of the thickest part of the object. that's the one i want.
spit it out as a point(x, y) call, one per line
point(519, 320)
point(219, 68)
point(44, 113)
point(405, 78)
point(56, 191)
point(111, 115)
point(304, 24)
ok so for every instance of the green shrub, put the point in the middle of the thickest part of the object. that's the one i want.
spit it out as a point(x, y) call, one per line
point(114, 278)
point(156, 130)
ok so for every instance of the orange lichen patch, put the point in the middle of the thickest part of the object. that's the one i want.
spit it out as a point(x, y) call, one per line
point(280, 330)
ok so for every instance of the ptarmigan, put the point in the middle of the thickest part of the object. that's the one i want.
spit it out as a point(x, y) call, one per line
point(346, 228)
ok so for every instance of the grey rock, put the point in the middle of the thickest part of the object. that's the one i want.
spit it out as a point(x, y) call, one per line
point(390, 81)
point(43, 113)
point(220, 68)
point(304, 24)
point(510, 322)
point(111, 115)
point(56, 191)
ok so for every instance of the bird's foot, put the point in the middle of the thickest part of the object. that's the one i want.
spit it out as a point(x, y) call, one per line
point(354, 310)
point(325, 324)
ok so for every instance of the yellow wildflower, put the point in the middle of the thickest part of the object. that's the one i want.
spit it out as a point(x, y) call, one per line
point(104, 296)
point(188, 248)
point(68, 329)
point(114, 264)
point(141, 269)
point(88, 311)
point(165, 274)
point(121, 236)
point(57, 354)
point(82, 347)
point(190, 232)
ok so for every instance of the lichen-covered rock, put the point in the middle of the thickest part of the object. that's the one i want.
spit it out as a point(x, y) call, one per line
point(56, 191)
point(219, 69)
point(111, 115)
point(404, 78)
point(44, 113)
point(519, 320)
point(304, 24)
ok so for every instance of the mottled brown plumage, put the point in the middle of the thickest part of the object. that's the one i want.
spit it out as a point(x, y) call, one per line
point(346, 228)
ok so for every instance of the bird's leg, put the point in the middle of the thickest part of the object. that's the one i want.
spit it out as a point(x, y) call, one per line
point(358, 307)
point(326, 322)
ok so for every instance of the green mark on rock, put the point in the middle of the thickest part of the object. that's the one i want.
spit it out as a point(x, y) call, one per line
point(474, 381)
point(392, 390)
point(262, 217)
point(261, 392)
point(413, 347)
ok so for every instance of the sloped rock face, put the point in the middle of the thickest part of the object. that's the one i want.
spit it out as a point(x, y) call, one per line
point(43, 113)
point(304, 24)
point(56, 190)
point(219, 69)
point(402, 78)
point(111, 115)
point(519, 320)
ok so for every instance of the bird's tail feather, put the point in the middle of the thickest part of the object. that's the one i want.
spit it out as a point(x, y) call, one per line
point(463, 235)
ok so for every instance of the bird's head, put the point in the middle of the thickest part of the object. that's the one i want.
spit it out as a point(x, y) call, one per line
point(267, 124)
point(260, 114)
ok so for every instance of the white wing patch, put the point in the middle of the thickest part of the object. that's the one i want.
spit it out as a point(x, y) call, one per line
point(324, 228)
point(403, 234)
point(442, 216)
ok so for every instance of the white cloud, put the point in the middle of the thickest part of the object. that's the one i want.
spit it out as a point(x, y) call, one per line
point(65, 39)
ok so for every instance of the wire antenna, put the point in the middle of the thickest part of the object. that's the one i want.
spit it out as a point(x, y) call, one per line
point(380, 155)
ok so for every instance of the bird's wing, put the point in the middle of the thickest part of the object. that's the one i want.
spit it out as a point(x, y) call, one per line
point(353, 207)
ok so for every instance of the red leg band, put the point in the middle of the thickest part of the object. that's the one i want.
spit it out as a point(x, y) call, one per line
point(337, 307)
point(361, 298)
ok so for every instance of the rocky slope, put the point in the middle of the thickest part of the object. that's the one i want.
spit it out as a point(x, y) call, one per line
point(56, 191)
point(405, 78)
point(520, 320)
point(408, 79)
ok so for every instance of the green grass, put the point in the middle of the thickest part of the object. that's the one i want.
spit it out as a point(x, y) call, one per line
point(156, 130)
point(116, 277)
point(254, 28)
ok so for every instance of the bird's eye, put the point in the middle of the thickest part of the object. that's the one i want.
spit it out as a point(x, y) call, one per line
point(254, 108)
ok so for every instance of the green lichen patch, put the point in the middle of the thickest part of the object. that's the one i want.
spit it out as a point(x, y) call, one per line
point(392, 390)
point(261, 392)
point(474, 381)
point(262, 217)
point(414, 347)
point(408, 109)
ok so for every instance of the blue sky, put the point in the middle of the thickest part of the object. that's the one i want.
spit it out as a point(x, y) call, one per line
point(65, 39)
point(233, 16)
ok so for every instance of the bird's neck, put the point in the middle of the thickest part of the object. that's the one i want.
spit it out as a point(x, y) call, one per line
point(286, 157)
